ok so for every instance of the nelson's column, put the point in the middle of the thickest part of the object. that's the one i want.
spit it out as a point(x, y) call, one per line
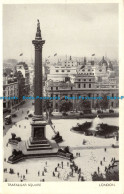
point(38, 140)
point(37, 145)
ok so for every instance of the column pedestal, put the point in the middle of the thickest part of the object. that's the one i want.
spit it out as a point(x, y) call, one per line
point(38, 140)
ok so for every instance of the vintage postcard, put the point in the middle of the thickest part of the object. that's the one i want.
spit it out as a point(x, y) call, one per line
point(62, 97)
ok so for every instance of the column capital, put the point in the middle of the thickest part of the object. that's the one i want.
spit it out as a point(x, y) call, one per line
point(38, 44)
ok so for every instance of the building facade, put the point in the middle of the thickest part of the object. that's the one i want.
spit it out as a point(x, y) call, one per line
point(10, 89)
point(89, 79)
point(23, 68)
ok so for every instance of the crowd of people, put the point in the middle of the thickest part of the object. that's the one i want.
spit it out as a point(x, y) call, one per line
point(63, 171)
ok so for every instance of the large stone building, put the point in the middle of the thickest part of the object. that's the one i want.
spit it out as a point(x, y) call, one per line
point(62, 69)
point(23, 68)
point(82, 79)
point(10, 89)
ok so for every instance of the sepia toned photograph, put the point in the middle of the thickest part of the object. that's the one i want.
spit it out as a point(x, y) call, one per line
point(61, 92)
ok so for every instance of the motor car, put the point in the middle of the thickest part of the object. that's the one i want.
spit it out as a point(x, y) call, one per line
point(111, 111)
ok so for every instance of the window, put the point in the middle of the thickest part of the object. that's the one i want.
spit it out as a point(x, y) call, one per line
point(63, 71)
point(84, 79)
point(79, 85)
point(84, 85)
point(88, 69)
point(100, 70)
point(51, 88)
point(56, 88)
point(57, 70)
point(89, 85)
point(89, 79)
point(71, 88)
point(52, 95)
point(79, 80)
point(68, 70)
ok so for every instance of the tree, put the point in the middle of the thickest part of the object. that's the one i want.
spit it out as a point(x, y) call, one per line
point(104, 102)
point(97, 177)
point(65, 106)
point(85, 105)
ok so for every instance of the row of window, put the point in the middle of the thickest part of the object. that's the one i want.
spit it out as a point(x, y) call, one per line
point(79, 85)
point(86, 73)
point(83, 80)
point(88, 69)
point(62, 70)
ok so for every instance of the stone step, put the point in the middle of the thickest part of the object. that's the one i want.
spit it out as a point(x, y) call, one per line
point(36, 147)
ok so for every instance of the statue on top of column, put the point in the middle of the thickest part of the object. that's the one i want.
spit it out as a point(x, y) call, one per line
point(38, 26)
point(38, 33)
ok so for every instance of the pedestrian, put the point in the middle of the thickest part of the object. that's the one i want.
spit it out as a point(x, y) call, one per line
point(98, 169)
point(42, 173)
point(45, 170)
point(82, 178)
point(4, 159)
point(38, 173)
point(72, 170)
point(79, 170)
point(58, 174)
point(23, 177)
point(26, 171)
point(62, 164)
point(46, 163)
point(67, 163)
point(105, 149)
point(18, 174)
point(53, 174)
point(101, 163)
point(56, 169)
point(104, 159)
point(58, 164)
point(78, 177)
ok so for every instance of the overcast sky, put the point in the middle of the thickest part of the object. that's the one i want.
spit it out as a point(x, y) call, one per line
point(77, 30)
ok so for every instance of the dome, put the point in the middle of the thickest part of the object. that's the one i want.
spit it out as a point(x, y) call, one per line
point(103, 62)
